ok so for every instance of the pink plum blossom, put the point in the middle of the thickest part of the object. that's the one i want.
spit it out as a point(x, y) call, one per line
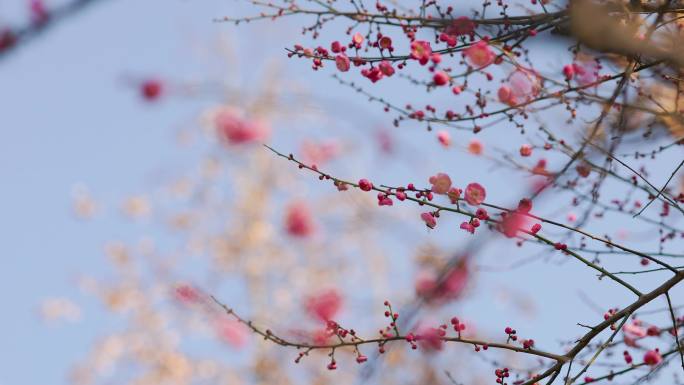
point(441, 183)
point(231, 331)
point(298, 220)
point(324, 305)
point(475, 194)
point(421, 51)
point(479, 55)
point(234, 129)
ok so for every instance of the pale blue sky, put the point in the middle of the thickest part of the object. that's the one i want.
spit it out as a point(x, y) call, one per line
point(66, 118)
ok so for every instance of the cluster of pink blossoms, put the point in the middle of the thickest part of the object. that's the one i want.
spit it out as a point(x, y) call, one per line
point(478, 55)
point(461, 26)
point(343, 62)
point(635, 331)
point(474, 195)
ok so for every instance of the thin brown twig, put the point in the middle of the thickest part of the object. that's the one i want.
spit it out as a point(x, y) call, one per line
point(491, 220)
point(674, 327)
point(269, 335)
point(660, 192)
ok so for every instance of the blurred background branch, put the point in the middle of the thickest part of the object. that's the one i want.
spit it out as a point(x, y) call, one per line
point(42, 21)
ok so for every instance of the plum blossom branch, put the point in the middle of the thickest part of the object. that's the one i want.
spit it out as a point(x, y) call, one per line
point(600, 349)
point(267, 334)
point(411, 338)
point(596, 330)
point(674, 327)
point(44, 20)
point(661, 190)
point(423, 202)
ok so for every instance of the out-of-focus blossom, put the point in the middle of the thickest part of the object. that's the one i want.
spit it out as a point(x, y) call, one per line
point(319, 153)
point(231, 331)
point(444, 138)
point(118, 253)
point(39, 14)
point(187, 294)
point(385, 141)
point(321, 336)
point(298, 220)
point(513, 222)
point(151, 89)
point(630, 341)
point(324, 305)
point(429, 338)
point(451, 288)
point(653, 331)
point(137, 207)
point(522, 86)
point(540, 168)
point(83, 204)
point(525, 84)
point(233, 128)
point(460, 26)
point(426, 283)
point(475, 147)
point(586, 70)
point(57, 309)
point(122, 298)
